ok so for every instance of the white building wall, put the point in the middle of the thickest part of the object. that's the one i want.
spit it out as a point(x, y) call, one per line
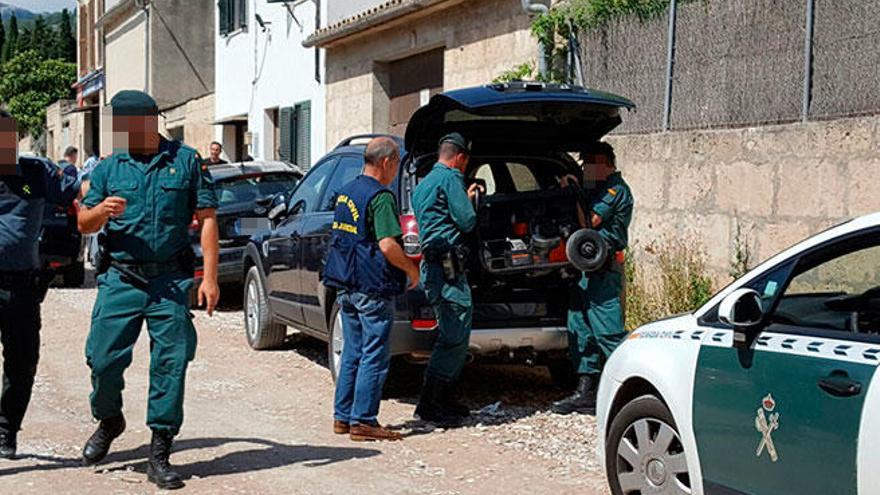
point(258, 70)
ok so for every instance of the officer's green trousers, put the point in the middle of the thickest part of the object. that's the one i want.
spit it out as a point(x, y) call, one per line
point(119, 313)
point(454, 311)
point(595, 320)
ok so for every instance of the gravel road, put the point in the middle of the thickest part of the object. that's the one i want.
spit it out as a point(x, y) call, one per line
point(259, 422)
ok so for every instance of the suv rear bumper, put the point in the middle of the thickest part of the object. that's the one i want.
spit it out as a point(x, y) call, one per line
point(484, 341)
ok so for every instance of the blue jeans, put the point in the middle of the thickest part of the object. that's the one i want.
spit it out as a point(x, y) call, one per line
point(366, 356)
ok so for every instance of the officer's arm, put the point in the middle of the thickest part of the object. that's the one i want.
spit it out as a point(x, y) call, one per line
point(63, 185)
point(606, 207)
point(210, 241)
point(96, 206)
point(460, 208)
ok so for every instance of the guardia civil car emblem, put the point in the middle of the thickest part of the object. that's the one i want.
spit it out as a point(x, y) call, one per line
point(766, 422)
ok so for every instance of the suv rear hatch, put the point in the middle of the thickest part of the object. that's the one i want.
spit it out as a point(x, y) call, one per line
point(522, 133)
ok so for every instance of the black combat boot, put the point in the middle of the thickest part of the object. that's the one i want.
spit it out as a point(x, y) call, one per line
point(8, 445)
point(450, 400)
point(159, 470)
point(98, 446)
point(431, 408)
point(582, 400)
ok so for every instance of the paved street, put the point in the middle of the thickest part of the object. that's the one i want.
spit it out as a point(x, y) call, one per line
point(259, 423)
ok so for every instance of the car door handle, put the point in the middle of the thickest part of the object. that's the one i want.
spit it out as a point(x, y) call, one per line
point(840, 385)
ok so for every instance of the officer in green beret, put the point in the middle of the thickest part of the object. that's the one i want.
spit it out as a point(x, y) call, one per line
point(445, 214)
point(146, 194)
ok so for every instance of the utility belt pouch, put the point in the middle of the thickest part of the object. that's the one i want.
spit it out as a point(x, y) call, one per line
point(102, 258)
point(450, 265)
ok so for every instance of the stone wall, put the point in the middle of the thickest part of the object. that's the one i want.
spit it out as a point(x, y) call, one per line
point(480, 42)
point(775, 184)
point(196, 120)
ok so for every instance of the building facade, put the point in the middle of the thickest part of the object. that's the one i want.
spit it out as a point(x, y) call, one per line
point(166, 48)
point(269, 101)
point(385, 59)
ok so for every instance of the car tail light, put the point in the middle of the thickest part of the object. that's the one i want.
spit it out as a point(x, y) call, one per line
point(199, 274)
point(411, 244)
point(423, 325)
point(55, 264)
point(194, 225)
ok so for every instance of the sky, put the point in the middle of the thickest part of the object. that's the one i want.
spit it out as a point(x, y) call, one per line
point(42, 5)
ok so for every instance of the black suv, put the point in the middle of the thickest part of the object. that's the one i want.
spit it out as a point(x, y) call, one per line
point(62, 249)
point(522, 136)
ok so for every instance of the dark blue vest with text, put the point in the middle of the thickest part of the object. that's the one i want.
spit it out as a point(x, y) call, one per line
point(354, 261)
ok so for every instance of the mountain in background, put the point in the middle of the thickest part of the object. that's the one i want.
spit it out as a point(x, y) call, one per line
point(6, 12)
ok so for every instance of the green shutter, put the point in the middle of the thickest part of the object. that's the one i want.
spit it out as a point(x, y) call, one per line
point(304, 135)
point(243, 18)
point(225, 15)
point(286, 134)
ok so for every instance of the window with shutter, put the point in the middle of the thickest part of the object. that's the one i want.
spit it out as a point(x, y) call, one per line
point(286, 135)
point(243, 18)
point(225, 16)
point(304, 135)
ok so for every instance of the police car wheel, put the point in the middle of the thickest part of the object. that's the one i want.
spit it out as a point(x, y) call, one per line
point(644, 453)
point(261, 332)
point(335, 343)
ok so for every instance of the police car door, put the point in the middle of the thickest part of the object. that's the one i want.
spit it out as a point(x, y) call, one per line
point(784, 415)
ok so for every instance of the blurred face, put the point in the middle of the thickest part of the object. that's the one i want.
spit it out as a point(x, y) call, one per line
point(390, 167)
point(596, 168)
point(8, 146)
point(214, 152)
point(136, 134)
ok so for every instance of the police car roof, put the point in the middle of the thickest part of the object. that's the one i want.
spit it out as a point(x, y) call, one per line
point(230, 170)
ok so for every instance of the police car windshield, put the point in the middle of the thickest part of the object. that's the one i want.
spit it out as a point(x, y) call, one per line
point(246, 190)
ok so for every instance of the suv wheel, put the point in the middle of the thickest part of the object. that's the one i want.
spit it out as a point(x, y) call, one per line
point(644, 453)
point(75, 275)
point(335, 343)
point(261, 332)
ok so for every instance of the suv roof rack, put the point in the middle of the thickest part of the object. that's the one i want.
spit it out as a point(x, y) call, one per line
point(350, 141)
point(525, 86)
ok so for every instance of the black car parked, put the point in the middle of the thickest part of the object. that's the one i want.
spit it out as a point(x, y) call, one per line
point(522, 136)
point(244, 191)
point(62, 249)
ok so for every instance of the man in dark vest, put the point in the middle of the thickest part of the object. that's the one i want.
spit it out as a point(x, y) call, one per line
point(367, 265)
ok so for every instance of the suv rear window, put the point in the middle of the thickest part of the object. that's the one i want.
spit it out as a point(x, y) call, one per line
point(508, 177)
point(246, 190)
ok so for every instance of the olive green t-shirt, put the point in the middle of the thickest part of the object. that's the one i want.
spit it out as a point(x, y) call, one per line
point(382, 216)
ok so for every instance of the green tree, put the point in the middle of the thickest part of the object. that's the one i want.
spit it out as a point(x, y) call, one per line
point(41, 37)
point(9, 47)
point(66, 43)
point(2, 38)
point(29, 83)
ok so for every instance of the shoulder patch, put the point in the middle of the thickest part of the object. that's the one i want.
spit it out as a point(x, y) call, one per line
point(612, 191)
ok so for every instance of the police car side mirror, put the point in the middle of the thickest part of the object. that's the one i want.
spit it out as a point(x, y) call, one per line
point(743, 310)
point(277, 208)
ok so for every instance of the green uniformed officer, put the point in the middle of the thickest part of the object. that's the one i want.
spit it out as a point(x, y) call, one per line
point(595, 317)
point(444, 213)
point(146, 194)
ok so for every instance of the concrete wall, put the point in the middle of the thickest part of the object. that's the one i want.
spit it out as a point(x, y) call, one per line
point(258, 71)
point(65, 129)
point(195, 118)
point(780, 184)
point(126, 56)
point(181, 50)
point(481, 41)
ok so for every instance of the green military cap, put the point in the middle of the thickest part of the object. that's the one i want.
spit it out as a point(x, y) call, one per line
point(134, 103)
point(458, 140)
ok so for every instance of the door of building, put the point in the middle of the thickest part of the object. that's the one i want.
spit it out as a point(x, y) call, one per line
point(412, 81)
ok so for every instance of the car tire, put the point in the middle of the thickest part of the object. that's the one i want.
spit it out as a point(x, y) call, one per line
point(335, 341)
point(261, 332)
point(634, 461)
point(75, 275)
point(562, 373)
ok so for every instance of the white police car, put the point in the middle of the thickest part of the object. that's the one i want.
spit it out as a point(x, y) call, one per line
point(766, 389)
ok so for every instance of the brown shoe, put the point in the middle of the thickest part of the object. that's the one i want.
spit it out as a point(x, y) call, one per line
point(364, 433)
point(340, 427)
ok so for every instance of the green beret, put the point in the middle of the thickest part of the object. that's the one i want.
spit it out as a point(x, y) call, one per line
point(458, 140)
point(134, 103)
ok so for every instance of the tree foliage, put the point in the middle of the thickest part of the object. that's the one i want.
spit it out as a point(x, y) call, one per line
point(29, 83)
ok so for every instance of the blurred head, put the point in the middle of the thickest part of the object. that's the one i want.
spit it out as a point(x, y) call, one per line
point(382, 158)
point(214, 151)
point(8, 144)
point(598, 161)
point(71, 154)
point(135, 123)
point(454, 152)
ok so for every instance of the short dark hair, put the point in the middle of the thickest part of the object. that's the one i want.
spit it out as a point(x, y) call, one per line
point(380, 148)
point(215, 142)
point(448, 150)
point(70, 150)
point(600, 148)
